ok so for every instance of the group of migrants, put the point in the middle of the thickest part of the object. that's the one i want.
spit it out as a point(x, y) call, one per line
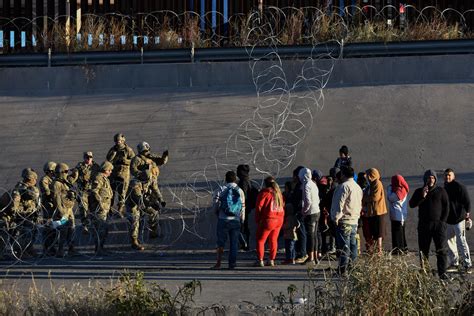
point(323, 215)
point(129, 178)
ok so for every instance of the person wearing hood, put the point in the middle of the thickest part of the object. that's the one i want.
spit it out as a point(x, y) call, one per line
point(310, 212)
point(251, 192)
point(460, 206)
point(295, 198)
point(433, 209)
point(374, 202)
point(364, 219)
point(269, 214)
point(397, 194)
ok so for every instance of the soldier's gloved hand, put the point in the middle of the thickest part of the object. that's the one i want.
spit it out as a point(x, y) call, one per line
point(163, 204)
point(165, 153)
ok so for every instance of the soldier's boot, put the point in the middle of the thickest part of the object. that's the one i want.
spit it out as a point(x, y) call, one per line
point(153, 231)
point(32, 251)
point(60, 252)
point(72, 251)
point(136, 245)
point(154, 234)
point(85, 227)
point(219, 252)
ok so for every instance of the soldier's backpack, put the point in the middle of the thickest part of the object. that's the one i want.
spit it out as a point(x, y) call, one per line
point(230, 202)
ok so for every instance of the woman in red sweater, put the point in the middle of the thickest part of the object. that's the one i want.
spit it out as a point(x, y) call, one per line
point(269, 216)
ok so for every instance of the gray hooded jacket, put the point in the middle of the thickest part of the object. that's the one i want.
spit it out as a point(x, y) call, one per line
point(310, 193)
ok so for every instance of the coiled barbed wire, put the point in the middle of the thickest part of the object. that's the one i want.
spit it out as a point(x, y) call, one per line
point(290, 25)
point(267, 140)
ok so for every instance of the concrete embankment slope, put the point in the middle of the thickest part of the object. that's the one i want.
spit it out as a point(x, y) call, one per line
point(404, 114)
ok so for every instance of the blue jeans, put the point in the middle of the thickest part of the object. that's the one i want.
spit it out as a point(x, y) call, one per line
point(232, 229)
point(347, 244)
point(290, 252)
point(301, 242)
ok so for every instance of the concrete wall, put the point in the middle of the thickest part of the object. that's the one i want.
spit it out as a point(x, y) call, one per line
point(347, 72)
point(402, 114)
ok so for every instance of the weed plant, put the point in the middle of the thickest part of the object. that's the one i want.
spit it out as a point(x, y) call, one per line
point(380, 285)
point(130, 295)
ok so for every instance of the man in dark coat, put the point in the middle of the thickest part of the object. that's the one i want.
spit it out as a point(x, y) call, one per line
point(433, 209)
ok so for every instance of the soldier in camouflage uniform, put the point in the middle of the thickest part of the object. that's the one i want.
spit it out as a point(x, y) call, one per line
point(28, 215)
point(145, 160)
point(139, 200)
point(9, 206)
point(101, 198)
point(87, 169)
point(45, 186)
point(120, 156)
point(64, 199)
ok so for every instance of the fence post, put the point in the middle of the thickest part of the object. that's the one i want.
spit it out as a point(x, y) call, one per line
point(68, 24)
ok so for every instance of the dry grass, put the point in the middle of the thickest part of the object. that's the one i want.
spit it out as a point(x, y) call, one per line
point(129, 295)
point(383, 285)
point(296, 28)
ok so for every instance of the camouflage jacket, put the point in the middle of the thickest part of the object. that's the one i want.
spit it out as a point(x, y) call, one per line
point(101, 192)
point(85, 175)
point(64, 199)
point(10, 205)
point(45, 186)
point(147, 161)
point(29, 201)
point(120, 158)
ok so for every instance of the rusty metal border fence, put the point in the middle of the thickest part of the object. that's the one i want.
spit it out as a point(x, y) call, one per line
point(168, 29)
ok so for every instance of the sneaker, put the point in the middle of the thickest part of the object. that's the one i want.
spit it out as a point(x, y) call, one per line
point(216, 267)
point(287, 262)
point(445, 277)
point(453, 268)
point(259, 263)
point(467, 270)
point(302, 259)
point(153, 234)
point(271, 263)
point(232, 266)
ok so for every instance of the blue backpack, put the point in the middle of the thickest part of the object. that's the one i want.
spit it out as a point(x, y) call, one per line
point(230, 202)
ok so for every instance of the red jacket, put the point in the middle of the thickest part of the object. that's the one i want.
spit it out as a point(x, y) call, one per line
point(266, 208)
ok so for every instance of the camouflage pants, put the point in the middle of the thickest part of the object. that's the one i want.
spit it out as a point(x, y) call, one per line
point(155, 192)
point(26, 236)
point(119, 185)
point(83, 208)
point(135, 224)
point(99, 221)
point(65, 235)
point(4, 237)
point(49, 234)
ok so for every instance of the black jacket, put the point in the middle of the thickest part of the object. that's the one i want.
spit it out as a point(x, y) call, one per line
point(459, 203)
point(434, 207)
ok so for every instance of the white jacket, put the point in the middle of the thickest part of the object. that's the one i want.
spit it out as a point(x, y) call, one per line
point(398, 208)
point(310, 193)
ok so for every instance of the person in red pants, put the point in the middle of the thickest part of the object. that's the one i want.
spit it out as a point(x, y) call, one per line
point(269, 216)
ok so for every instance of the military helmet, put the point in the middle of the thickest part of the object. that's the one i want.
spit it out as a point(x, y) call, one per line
point(61, 167)
point(29, 174)
point(49, 166)
point(106, 166)
point(143, 146)
point(119, 136)
point(88, 154)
